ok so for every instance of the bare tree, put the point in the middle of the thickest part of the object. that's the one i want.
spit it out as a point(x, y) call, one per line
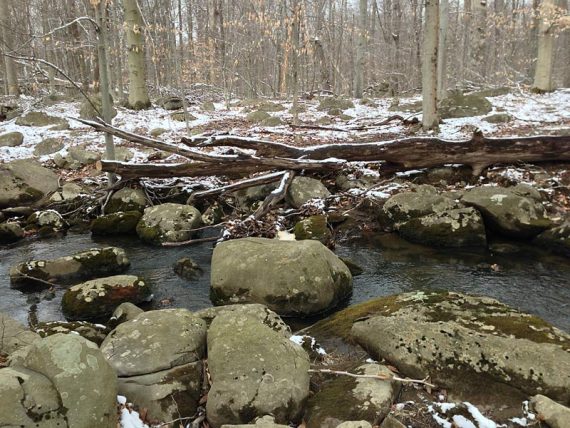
point(360, 48)
point(138, 94)
point(543, 71)
point(10, 64)
point(429, 65)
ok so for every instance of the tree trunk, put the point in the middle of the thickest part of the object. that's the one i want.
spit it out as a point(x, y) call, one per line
point(429, 66)
point(543, 72)
point(442, 50)
point(360, 47)
point(138, 95)
point(10, 64)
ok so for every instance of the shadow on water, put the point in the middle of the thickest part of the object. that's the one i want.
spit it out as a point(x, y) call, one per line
point(517, 274)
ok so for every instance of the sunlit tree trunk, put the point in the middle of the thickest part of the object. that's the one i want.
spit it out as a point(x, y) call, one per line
point(442, 50)
point(429, 65)
point(544, 62)
point(360, 48)
point(10, 64)
point(138, 94)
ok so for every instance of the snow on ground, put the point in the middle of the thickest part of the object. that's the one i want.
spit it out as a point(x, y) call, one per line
point(466, 415)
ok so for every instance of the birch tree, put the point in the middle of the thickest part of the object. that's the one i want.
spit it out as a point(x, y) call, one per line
point(138, 94)
point(429, 65)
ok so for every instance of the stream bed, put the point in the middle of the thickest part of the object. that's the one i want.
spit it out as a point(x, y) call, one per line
point(517, 274)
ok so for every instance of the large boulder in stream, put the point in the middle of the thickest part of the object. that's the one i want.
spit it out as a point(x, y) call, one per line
point(255, 371)
point(62, 380)
point(116, 224)
point(168, 223)
point(516, 212)
point(125, 200)
point(460, 340)
point(157, 356)
point(556, 239)
point(297, 278)
point(10, 233)
point(25, 181)
point(99, 297)
point(92, 263)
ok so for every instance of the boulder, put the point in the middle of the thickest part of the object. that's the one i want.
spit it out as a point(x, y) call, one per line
point(553, 414)
point(92, 263)
point(333, 102)
point(10, 233)
point(460, 105)
point(11, 139)
point(255, 371)
point(47, 219)
point(270, 107)
point(314, 227)
point(69, 192)
point(263, 422)
point(298, 278)
point(507, 212)
point(87, 111)
point(155, 341)
point(498, 118)
point(124, 312)
point(303, 189)
point(14, 335)
point(208, 106)
point(556, 239)
point(257, 116)
point(116, 223)
point(157, 132)
point(455, 338)
point(86, 384)
point(272, 121)
point(82, 156)
point(355, 424)
point(461, 227)
point(96, 333)
point(171, 103)
point(24, 182)
point(168, 223)
point(98, 298)
point(39, 118)
point(123, 154)
point(182, 117)
point(246, 197)
point(48, 147)
point(126, 199)
point(364, 399)
point(188, 268)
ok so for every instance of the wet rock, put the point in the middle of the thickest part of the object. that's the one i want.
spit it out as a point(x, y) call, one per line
point(116, 223)
point(87, 111)
point(48, 147)
point(303, 189)
point(353, 267)
point(85, 383)
point(98, 298)
point(168, 223)
point(69, 192)
point(507, 212)
point(124, 312)
point(155, 341)
point(14, 335)
point(187, 268)
point(553, 414)
point(214, 214)
point(47, 219)
point(263, 422)
point(24, 182)
point(95, 333)
point(126, 199)
point(332, 102)
point(11, 139)
point(92, 263)
point(257, 116)
point(363, 399)
point(462, 227)
point(255, 371)
point(314, 227)
point(455, 338)
point(297, 278)
point(39, 118)
point(10, 233)
point(556, 239)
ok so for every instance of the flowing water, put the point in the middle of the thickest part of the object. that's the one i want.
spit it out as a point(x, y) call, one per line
point(519, 275)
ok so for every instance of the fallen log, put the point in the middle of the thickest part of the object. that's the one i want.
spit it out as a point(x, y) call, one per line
point(243, 184)
point(276, 196)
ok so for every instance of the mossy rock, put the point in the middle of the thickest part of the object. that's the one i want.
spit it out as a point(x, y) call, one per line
point(168, 223)
point(335, 111)
point(39, 118)
point(355, 268)
point(171, 103)
point(314, 227)
point(188, 268)
point(258, 116)
point(157, 132)
point(181, 117)
point(95, 333)
point(25, 181)
point(48, 147)
point(459, 105)
point(208, 106)
point(10, 233)
point(214, 214)
point(345, 117)
point(116, 223)
point(126, 199)
point(556, 239)
point(87, 111)
point(272, 121)
point(413, 107)
point(299, 109)
point(368, 102)
point(82, 156)
point(324, 121)
point(498, 118)
point(334, 102)
point(11, 139)
point(270, 107)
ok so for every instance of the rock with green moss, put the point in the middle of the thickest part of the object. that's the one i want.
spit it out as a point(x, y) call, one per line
point(299, 109)
point(10, 233)
point(88, 264)
point(48, 146)
point(314, 227)
point(88, 111)
point(84, 157)
point(95, 333)
point(334, 102)
point(48, 219)
point(454, 338)
point(257, 116)
point(324, 121)
point(507, 212)
point(255, 371)
point(365, 399)
point(262, 422)
point(116, 223)
point(303, 189)
point(182, 117)
point(498, 118)
point(39, 118)
point(556, 239)
point(460, 105)
point(368, 102)
point(270, 107)
point(168, 223)
point(214, 214)
point(126, 199)
point(272, 121)
point(25, 181)
point(335, 111)
point(461, 227)
point(98, 298)
point(11, 139)
point(297, 278)
point(123, 154)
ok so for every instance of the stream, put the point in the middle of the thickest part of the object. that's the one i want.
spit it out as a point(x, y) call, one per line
point(517, 274)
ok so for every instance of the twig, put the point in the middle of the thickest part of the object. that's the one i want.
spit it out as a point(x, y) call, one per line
point(190, 241)
point(379, 377)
